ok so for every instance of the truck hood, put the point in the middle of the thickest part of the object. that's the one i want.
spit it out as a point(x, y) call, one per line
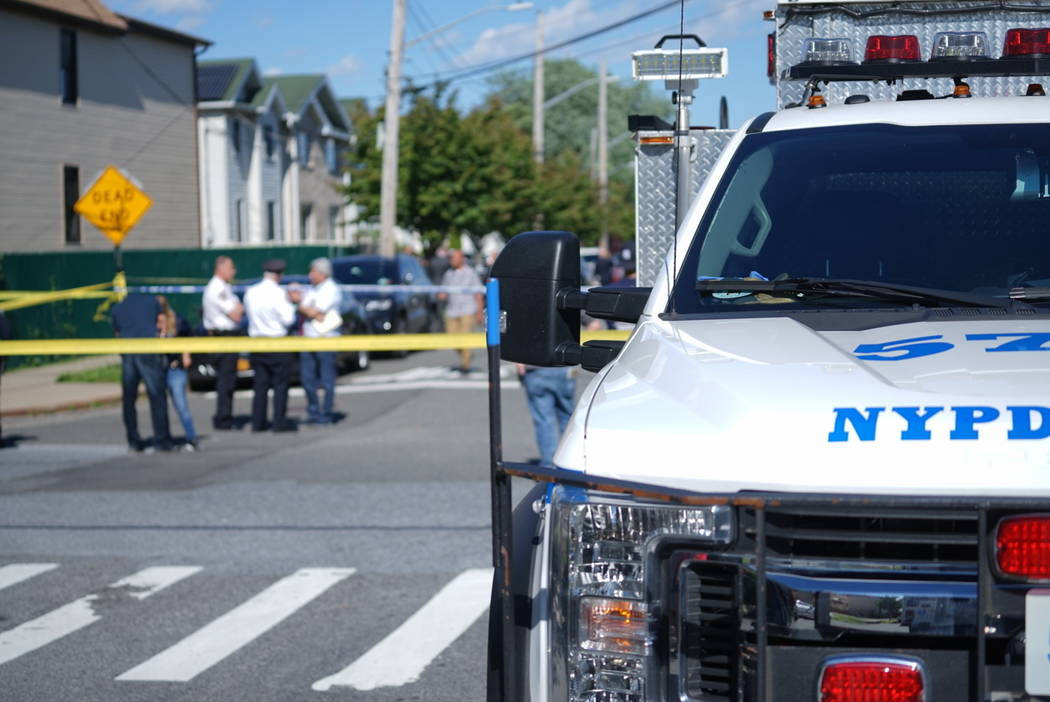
point(770, 404)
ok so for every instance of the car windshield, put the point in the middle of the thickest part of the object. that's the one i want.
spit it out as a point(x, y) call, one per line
point(951, 208)
point(368, 271)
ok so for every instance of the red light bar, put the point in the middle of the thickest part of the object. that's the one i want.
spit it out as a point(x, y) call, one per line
point(871, 679)
point(1027, 42)
point(771, 54)
point(1022, 546)
point(882, 47)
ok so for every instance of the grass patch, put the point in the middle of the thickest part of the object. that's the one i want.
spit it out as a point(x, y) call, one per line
point(105, 374)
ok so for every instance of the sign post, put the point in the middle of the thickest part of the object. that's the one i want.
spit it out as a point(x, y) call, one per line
point(114, 204)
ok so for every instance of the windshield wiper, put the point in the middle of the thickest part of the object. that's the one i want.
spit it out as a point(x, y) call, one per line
point(890, 292)
point(1036, 293)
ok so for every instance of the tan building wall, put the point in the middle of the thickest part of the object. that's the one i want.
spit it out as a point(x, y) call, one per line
point(317, 187)
point(135, 111)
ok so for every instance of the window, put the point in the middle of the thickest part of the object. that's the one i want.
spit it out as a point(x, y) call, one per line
point(235, 134)
point(271, 140)
point(239, 233)
point(271, 220)
point(333, 222)
point(304, 148)
point(306, 221)
point(70, 195)
point(331, 156)
point(67, 71)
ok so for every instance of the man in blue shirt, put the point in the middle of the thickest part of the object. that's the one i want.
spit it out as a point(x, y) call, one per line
point(136, 317)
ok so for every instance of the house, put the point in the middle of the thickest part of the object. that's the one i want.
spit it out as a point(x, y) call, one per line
point(82, 88)
point(271, 156)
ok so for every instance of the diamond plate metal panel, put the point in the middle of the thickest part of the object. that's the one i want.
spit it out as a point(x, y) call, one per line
point(855, 22)
point(655, 193)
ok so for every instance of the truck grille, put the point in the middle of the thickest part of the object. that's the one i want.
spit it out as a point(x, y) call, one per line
point(712, 632)
point(913, 535)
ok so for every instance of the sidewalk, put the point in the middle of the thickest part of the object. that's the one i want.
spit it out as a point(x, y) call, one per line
point(28, 391)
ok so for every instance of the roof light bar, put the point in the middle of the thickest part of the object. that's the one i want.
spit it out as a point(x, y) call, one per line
point(959, 46)
point(664, 64)
point(1027, 42)
point(819, 51)
point(886, 48)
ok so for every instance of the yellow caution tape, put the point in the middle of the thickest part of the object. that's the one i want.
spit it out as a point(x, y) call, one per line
point(232, 344)
point(32, 298)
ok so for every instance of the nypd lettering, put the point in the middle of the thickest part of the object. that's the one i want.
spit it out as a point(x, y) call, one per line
point(919, 346)
point(968, 422)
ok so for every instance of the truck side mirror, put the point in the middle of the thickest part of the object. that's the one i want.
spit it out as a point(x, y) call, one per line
point(535, 269)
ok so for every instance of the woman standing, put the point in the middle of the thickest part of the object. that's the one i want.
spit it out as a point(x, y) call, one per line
point(168, 325)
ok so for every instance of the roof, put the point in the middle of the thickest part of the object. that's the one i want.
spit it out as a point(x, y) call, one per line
point(977, 110)
point(225, 79)
point(95, 15)
point(296, 89)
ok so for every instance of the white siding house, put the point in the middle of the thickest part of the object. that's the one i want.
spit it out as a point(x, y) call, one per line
point(272, 153)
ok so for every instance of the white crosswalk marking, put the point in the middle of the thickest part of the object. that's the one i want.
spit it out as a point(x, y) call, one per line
point(238, 627)
point(17, 572)
point(80, 613)
point(402, 656)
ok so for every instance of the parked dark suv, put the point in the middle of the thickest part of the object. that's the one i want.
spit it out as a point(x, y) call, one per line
point(397, 311)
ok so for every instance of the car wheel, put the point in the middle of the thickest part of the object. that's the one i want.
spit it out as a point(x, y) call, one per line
point(360, 360)
point(400, 327)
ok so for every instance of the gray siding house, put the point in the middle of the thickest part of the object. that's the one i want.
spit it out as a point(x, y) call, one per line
point(271, 156)
point(64, 118)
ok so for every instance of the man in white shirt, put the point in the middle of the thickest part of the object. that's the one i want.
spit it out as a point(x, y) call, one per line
point(317, 368)
point(462, 308)
point(270, 313)
point(222, 317)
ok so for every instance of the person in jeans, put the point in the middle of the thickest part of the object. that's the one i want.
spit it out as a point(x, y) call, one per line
point(169, 325)
point(463, 309)
point(551, 394)
point(136, 317)
point(317, 368)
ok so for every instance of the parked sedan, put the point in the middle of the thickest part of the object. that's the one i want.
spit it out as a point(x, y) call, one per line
point(397, 311)
point(355, 321)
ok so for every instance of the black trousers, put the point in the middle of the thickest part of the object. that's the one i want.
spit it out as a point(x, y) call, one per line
point(225, 365)
point(272, 370)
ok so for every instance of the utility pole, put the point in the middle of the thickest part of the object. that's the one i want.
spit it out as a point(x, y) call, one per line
point(391, 128)
point(603, 151)
point(537, 93)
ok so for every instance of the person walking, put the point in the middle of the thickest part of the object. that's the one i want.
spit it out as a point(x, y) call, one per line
point(270, 313)
point(320, 308)
point(223, 313)
point(551, 395)
point(463, 309)
point(170, 325)
point(136, 317)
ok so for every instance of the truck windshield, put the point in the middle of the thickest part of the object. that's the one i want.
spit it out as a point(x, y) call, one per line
point(950, 208)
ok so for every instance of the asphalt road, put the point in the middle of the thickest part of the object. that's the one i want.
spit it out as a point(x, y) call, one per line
point(347, 562)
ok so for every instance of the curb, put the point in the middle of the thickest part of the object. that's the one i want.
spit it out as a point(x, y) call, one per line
point(102, 401)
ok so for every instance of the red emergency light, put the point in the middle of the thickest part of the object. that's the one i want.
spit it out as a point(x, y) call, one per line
point(1027, 42)
point(872, 679)
point(771, 54)
point(883, 47)
point(1022, 546)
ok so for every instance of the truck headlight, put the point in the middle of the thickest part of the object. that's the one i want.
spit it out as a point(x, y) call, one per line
point(603, 623)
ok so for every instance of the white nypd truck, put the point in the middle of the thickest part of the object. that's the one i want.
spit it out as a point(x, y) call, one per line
point(819, 468)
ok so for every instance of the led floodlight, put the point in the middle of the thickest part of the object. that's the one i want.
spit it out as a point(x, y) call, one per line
point(663, 64)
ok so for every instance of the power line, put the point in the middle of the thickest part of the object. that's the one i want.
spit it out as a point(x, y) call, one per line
point(494, 65)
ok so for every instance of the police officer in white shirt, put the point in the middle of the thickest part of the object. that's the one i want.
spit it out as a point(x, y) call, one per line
point(320, 309)
point(222, 317)
point(270, 313)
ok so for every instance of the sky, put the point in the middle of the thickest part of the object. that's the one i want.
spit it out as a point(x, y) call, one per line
point(348, 40)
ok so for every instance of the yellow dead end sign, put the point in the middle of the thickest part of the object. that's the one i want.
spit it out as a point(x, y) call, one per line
point(114, 204)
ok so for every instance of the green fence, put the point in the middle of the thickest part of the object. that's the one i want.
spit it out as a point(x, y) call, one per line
point(77, 318)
